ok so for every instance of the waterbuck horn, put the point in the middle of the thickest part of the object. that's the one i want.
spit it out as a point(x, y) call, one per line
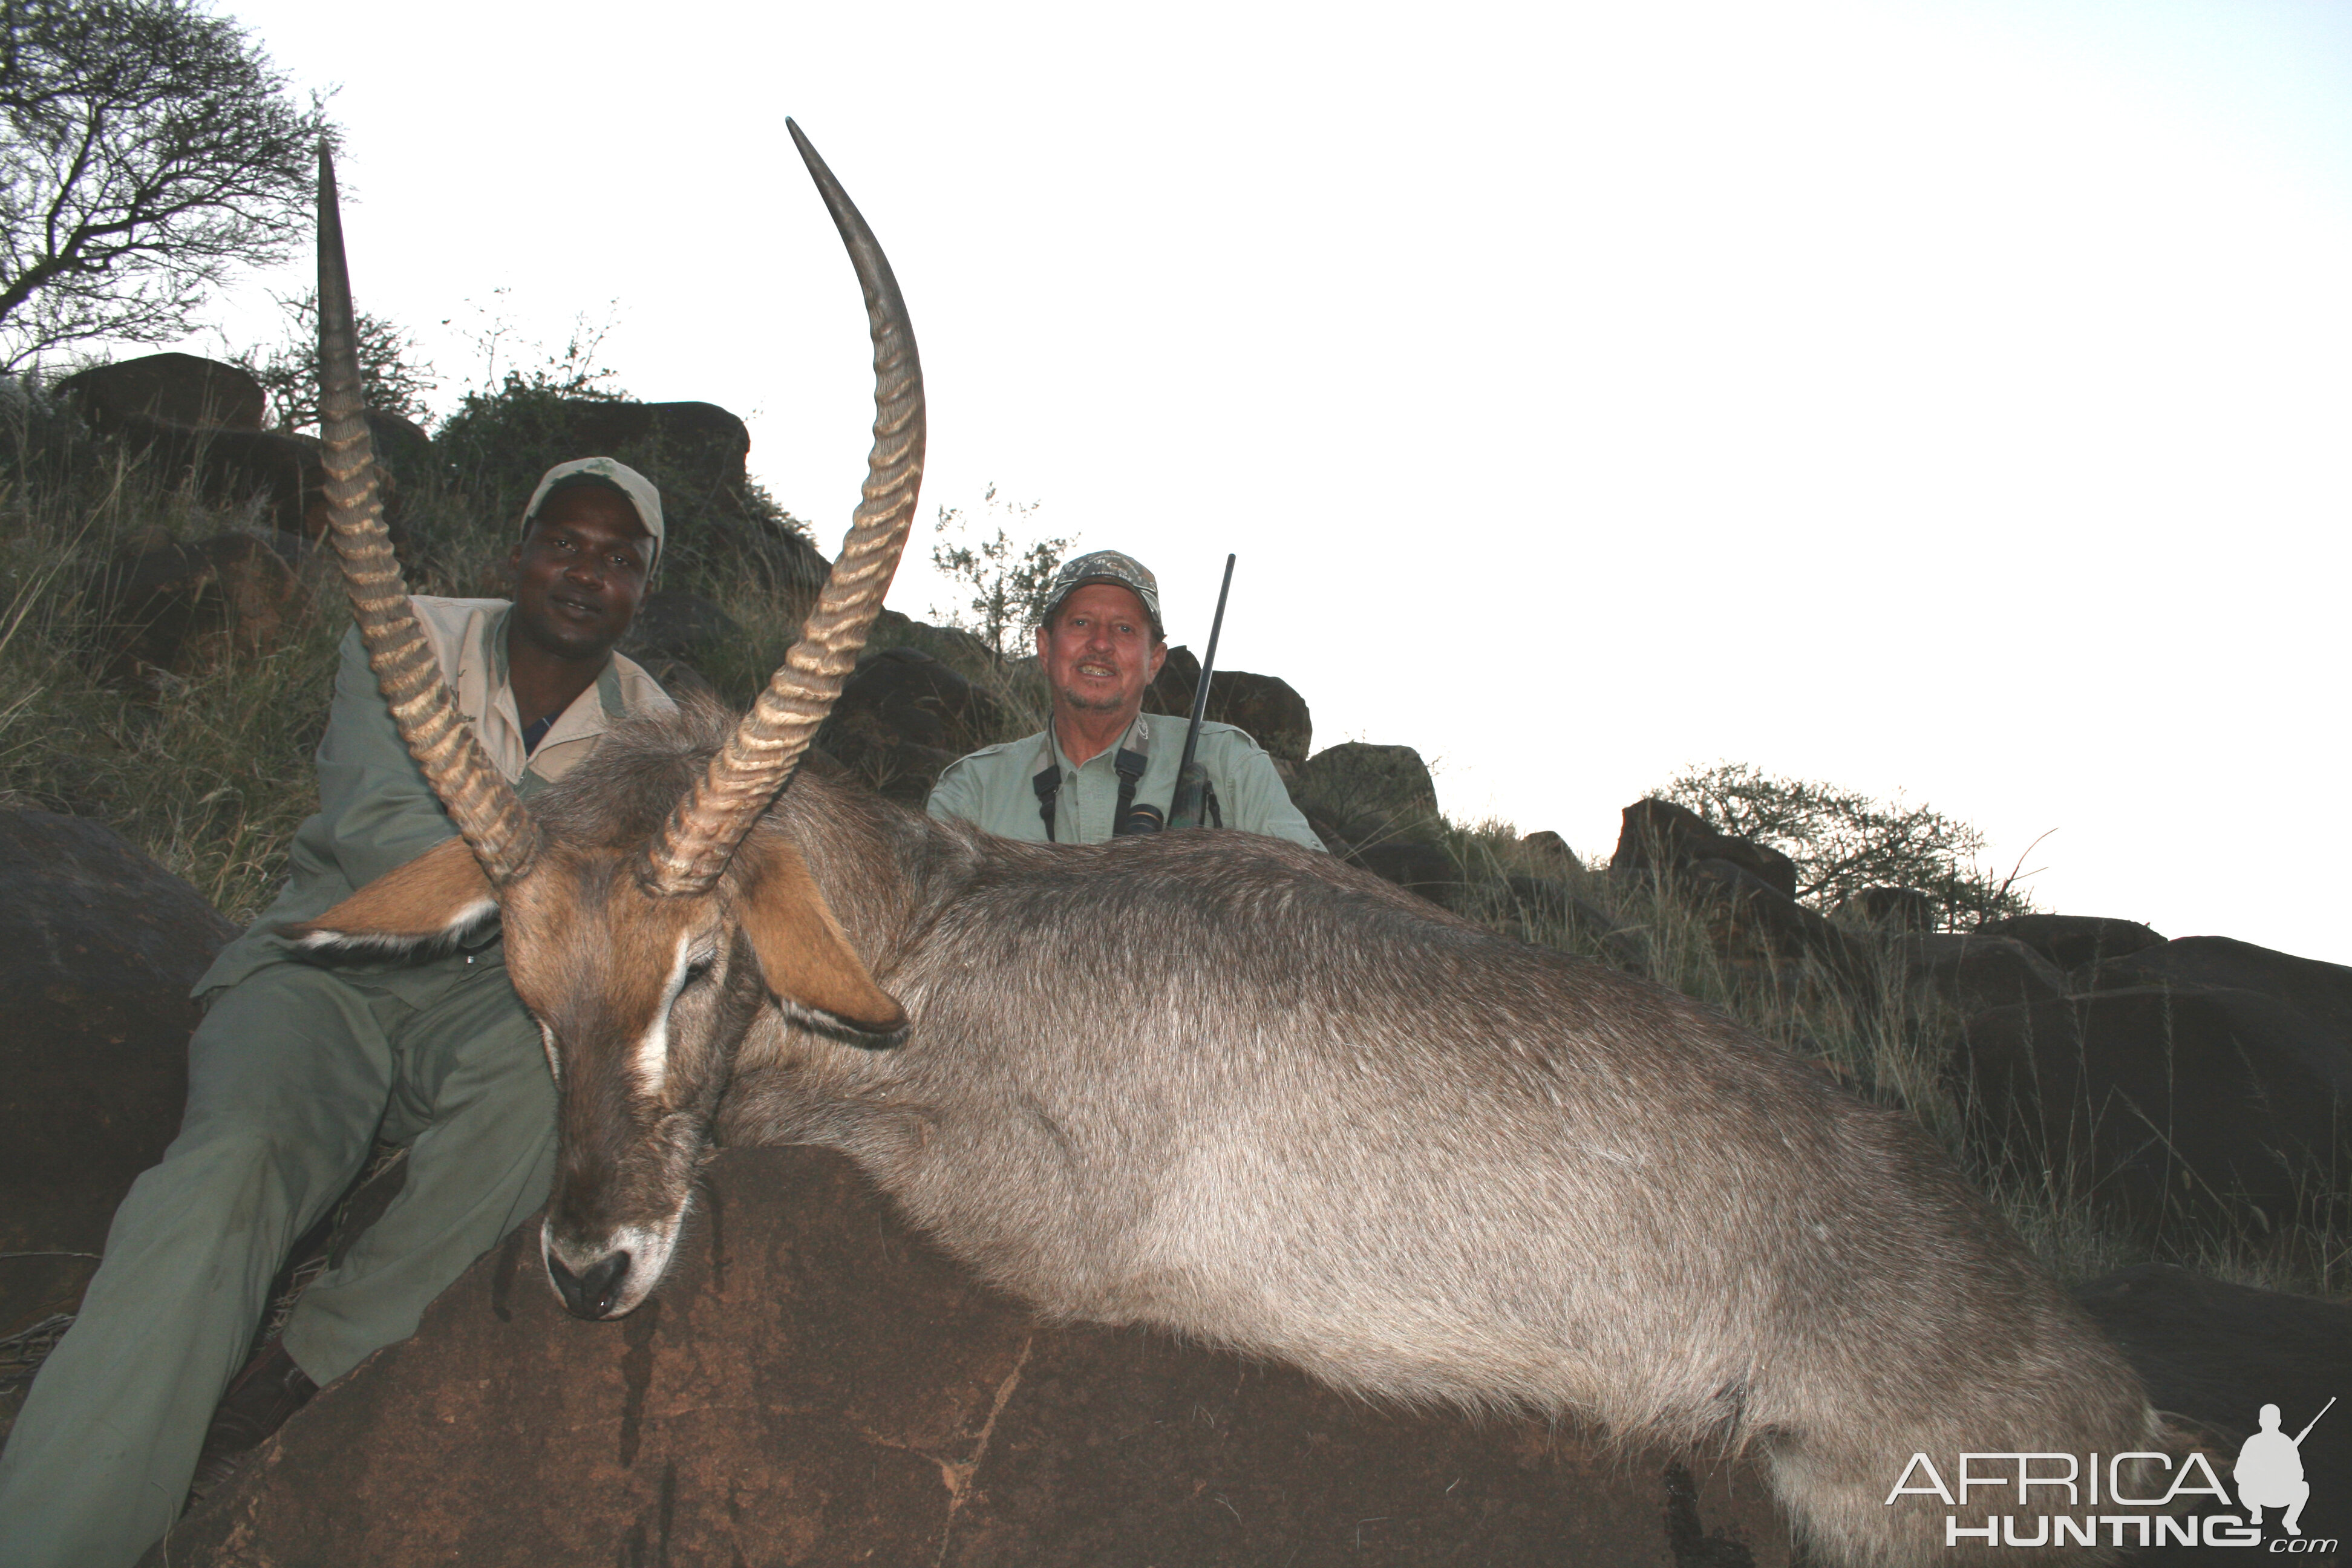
point(478, 798)
point(758, 760)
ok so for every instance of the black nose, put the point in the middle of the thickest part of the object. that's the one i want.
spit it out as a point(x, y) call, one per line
point(590, 1295)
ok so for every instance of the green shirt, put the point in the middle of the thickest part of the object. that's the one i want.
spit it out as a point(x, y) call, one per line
point(992, 788)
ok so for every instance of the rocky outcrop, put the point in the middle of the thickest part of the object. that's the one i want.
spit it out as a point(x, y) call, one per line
point(176, 388)
point(1367, 794)
point(199, 422)
point(903, 717)
point(2213, 1082)
point(2215, 1354)
point(1659, 835)
point(1746, 892)
point(815, 1384)
point(1262, 706)
point(163, 604)
point(1973, 973)
point(2075, 941)
point(97, 948)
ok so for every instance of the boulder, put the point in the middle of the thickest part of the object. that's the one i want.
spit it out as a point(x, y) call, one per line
point(180, 389)
point(97, 948)
point(1659, 835)
point(815, 1384)
point(903, 717)
point(402, 448)
point(1415, 867)
point(1542, 910)
point(1371, 794)
point(1756, 926)
point(700, 448)
point(162, 605)
point(282, 471)
point(2216, 1354)
point(2070, 941)
point(675, 627)
point(2157, 1101)
point(1264, 706)
point(1891, 909)
point(1547, 846)
point(1975, 973)
point(952, 646)
point(2320, 992)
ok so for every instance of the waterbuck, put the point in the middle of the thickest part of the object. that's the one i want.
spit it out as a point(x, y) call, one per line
point(1208, 1082)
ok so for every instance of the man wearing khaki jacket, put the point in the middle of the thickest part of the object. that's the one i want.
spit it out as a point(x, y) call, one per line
point(296, 1069)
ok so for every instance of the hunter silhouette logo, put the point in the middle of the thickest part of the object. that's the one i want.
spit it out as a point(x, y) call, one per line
point(2055, 1499)
point(2269, 1471)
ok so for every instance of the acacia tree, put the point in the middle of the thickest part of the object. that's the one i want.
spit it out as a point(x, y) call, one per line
point(1007, 580)
point(395, 377)
point(1842, 841)
point(146, 150)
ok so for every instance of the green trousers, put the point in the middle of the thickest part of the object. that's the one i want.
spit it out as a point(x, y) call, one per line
point(292, 1075)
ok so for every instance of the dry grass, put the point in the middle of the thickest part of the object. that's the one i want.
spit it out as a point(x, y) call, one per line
point(1896, 1044)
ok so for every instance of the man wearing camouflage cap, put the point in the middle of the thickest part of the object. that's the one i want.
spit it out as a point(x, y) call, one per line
point(1104, 768)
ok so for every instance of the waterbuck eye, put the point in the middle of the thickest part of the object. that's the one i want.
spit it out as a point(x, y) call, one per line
point(700, 966)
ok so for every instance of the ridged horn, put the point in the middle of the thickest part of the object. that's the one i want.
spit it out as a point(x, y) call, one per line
point(478, 798)
point(758, 760)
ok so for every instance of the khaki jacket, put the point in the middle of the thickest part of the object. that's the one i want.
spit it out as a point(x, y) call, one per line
point(993, 787)
point(376, 812)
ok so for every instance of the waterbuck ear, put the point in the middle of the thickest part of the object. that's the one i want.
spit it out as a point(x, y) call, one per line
point(811, 969)
point(427, 906)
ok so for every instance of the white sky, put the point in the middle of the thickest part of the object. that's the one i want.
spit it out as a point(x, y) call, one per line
point(1949, 399)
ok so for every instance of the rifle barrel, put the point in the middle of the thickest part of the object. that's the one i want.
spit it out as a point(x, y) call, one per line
point(1178, 811)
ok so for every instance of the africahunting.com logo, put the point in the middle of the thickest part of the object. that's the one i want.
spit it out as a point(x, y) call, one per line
point(2088, 1499)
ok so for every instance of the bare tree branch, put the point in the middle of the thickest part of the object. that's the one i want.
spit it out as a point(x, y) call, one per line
point(147, 150)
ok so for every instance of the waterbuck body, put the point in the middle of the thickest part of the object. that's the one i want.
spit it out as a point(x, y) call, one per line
point(1206, 1080)
point(1219, 1084)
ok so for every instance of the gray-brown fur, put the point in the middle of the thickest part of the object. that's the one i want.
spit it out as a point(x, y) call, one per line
point(1215, 1083)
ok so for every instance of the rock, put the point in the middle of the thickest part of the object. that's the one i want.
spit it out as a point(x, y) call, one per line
point(1658, 835)
point(959, 649)
point(700, 448)
point(1264, 706)
point(401, 447)
point(1756, 925)
point(1975, 973)
point(1372, 792)
point(903, 717)
point(2217, 1354)
point(1545, 845)
point(2163, 1100)
point(1891, 909)
point(678, 627)
point(2070, 941)
point(97, 948)
point(717, 524)
point(160, 604)
point(2320, 992)
point(181, 389)
point(283, 471)
point(816, 1386)
point(1542, 910)
point(1415, 867)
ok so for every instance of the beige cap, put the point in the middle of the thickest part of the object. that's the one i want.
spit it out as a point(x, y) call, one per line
point(621, 477)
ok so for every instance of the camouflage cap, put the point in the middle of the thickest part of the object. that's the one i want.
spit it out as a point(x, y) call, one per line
point(622, 478)
point(1104, 566)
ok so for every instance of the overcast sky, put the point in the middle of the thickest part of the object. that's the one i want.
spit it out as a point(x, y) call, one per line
point(1943, 399)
